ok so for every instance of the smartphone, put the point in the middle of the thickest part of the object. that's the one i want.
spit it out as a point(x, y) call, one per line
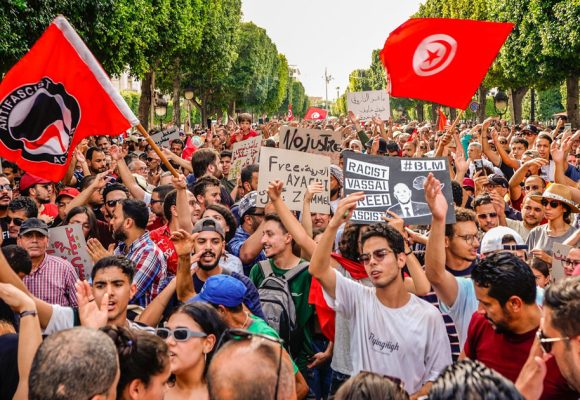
point(260, 121)
point(479, 166)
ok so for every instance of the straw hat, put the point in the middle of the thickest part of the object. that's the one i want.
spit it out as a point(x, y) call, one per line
point(559, 192)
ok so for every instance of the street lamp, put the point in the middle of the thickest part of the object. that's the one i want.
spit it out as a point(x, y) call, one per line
point(500, 102)
point(161, 109)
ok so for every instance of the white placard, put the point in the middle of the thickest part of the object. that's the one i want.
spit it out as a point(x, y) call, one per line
point(68, 242)
point(164, 138)
point(244, 153)
point(326, 142)
point(366, 105)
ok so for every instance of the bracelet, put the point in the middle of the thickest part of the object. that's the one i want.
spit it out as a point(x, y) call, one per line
point(409, 253)
point(27, 313)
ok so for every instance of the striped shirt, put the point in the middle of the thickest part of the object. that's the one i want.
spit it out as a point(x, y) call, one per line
point(53, 281)
point(150, 267)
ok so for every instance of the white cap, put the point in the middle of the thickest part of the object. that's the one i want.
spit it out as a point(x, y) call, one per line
point(492, 240)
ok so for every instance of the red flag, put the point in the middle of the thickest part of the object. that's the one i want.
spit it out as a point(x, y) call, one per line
point(441, 60)
point(442, 120)
point(290, 114)
point(54, 97)
point(315, 114)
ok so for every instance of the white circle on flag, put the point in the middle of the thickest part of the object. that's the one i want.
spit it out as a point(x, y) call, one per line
point(315, 115)
point(434, 54)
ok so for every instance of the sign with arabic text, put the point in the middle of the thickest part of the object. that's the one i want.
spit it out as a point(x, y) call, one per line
point(369, 104)
point(68, 242)
point(164, 138)
point(244, 153)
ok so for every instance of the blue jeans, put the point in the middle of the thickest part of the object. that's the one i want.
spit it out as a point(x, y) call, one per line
point(336, 382)
point(319, 378)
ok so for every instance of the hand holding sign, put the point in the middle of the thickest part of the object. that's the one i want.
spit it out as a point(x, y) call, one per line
point(435, 198)
point(345, 208)
point(275, 189)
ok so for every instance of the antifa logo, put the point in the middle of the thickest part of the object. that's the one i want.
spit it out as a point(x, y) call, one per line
point(39, 119)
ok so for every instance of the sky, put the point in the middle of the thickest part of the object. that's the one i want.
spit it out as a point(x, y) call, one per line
point(339, 35)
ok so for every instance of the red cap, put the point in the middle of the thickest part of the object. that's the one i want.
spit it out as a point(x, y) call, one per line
point(29, 180)
point(468, 182)
point(68, 191)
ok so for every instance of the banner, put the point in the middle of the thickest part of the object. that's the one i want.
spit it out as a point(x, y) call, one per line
point(394, 184)
point(244, 153)
point(370, 104)
point(54, 97)
point(297, 170)
point(68, 242)
point(164, 138)
point(315, 141)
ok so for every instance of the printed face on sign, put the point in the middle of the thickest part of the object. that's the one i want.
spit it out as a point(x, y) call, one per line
point(434, 54)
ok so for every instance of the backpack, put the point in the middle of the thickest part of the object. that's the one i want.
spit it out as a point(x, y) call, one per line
point(276, 300)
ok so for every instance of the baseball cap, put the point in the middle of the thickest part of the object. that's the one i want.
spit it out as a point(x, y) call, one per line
point(223, 290)
point(469, 183)
point(530, 128)
point(247, 202)
point(67, 191)
point(492, 240)
point(29, 180)
point(499, 180)
point(208, 224)
point(33, 225)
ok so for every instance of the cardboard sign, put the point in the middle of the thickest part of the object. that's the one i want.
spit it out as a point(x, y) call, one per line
point(163, 138)
point(68, 242)
point(316, 141)
point(559, 254)
point(244, 153)
point(394, 184)
point(366, 105)
point(297, 170)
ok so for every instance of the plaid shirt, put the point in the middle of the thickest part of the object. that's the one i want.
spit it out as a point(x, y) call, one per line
point(150, 267)
point(53, 281)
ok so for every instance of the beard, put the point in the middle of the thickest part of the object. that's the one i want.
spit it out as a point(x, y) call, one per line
point(119, 235)
point(335, 191)
point(211, 265)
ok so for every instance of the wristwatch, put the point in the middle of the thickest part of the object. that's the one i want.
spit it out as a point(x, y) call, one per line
point(29, 312)
point(410, 252)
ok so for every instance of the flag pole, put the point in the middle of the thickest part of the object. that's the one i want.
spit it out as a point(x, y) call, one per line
point(456, 121)
point(157, 150)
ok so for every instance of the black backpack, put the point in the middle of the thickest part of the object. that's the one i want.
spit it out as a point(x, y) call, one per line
point(276, 299)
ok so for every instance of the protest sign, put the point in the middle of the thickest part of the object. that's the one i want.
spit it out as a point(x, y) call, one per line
point(394, 184)
point(559, 254)
point(366, 105)
point(68, 242)
point(316, 141)
point(163, 138)
point(244, 153)
point(297, 170)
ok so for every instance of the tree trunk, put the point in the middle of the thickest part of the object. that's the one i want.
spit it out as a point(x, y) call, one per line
point(434, 108)
point(420, 111)
point(533, 106)
point(452, 113)
point(176, 98)
point(572, 101)
point(517, 98)
point(145, 100)
point(482, 104)
point(152, 102)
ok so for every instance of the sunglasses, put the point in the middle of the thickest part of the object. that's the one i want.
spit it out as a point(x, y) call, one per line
point(155, 201)
point(149, 159)
point(486, 216)
point(546, 342)
point(531, 188)
point(16, 221)
point(179, 334)
point(113, 203)
point(6, 187)
point(378, 255)
point(552, 203)
point(570, 263)
point(242, 334)
point(577, 155)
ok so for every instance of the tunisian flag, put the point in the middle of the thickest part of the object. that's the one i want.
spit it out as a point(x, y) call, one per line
point(54, 97)
point(316, 114)
point(441, 60)
point(442, 120)
point(290, 113)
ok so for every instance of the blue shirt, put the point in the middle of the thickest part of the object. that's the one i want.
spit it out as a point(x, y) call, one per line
point(235, 244)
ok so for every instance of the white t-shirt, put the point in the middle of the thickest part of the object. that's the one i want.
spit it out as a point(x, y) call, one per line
point(409, 342)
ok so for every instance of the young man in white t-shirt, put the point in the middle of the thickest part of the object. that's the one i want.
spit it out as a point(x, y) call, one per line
point(393, 332)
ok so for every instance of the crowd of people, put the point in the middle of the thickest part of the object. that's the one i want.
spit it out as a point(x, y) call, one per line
point(198, 291)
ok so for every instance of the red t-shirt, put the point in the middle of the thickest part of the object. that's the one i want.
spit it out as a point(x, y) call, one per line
point(507, 353)
point(248, 135)
point(161, 237)
point(50, 209)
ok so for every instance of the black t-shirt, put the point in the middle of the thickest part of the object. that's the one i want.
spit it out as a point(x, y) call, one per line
point(8, 365)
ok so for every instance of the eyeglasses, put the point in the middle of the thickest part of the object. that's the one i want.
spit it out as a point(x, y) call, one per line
point(113, 203)
point(179, 334)
point(378, 255)
point(532, 188)
point(552, 203)
point(470, 239)
point(546, 343)
point(570, 263)
point(6, 187)
point(242, 334)
point(149, 159)
point(486, 216)
point(577, 155)
point(16, 221)
point(155, 201)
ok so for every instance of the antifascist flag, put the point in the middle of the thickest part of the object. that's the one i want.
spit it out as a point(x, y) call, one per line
point(315, 114)
point(441, 60)
point(442, 120)
point(290, 113)
point(55, 96)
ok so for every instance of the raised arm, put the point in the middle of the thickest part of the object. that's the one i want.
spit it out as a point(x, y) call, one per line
point(520, 175)
point(128, 179)
point(186, 165)
point(505, 157)
point(491, 155)
point(559, 156)
point(311, 191)
point(182, 204)
point(183, 242)
point(442, 280)
point(84, 196)
point(320, 263)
